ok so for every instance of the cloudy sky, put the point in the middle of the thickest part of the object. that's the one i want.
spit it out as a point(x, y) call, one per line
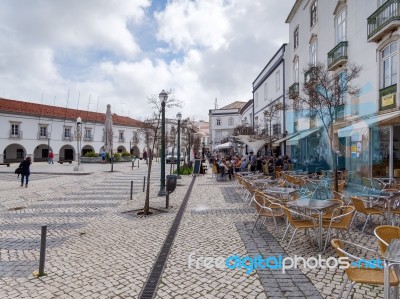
point(123, 51)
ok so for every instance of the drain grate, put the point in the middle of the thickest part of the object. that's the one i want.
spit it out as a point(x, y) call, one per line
point(154, 277)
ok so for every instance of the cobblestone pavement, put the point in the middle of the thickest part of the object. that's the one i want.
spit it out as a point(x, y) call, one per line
point(99, 248)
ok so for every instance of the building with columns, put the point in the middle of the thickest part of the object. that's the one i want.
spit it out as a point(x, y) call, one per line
point(30, 129)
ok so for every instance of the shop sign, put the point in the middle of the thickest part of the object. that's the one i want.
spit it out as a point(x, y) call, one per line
point(359, 146)
point(388, 100)
point(353, 148)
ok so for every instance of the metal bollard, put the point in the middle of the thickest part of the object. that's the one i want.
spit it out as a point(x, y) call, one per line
point(131, 189)
point(138, 163)
point(144, 183)
point(42, 250)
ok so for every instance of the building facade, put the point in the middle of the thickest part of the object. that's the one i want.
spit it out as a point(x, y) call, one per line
point(337, 33)
point(30, 129)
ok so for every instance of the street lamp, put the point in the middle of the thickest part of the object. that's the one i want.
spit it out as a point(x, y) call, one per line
point(202, 151)
point(78, 137)
point(247, 125)
point(163, 98)
point(178, 166)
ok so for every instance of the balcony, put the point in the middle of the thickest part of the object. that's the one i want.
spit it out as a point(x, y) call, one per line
point(310, 77)
point(384, 20)
point(68, 138)
point(337, 56)
point(339, 112)
point(41, 136)
point(15, 134)
point(88, 138)
point(294, 91)
point(387, 97)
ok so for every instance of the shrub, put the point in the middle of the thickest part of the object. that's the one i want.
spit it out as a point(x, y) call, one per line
point(91, 154)
point(117, 156)
point(184, 170)
point(125, 154)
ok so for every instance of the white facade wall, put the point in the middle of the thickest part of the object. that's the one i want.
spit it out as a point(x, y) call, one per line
point(222, 123)
point(32, 145)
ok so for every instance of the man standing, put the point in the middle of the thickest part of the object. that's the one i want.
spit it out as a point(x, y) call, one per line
point(51, 157)
point(145, 156)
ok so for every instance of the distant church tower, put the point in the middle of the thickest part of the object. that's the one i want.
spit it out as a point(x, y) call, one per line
point(216, 104)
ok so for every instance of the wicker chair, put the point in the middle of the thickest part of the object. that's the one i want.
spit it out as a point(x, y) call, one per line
point(341, 221)
point(298, 221)
point(359, 204)
point(361, 274)
point(265, 207)
point(384, 234)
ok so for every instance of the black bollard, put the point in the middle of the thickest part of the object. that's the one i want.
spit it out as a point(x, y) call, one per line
point(42, 250)
point(131, 189)
point(167, 200)
point(144, 183)
point(138, 163)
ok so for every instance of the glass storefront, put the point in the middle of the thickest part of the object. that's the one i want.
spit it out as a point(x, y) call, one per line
point(380, 151)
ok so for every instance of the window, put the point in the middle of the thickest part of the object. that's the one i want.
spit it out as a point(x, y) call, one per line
point(296, 70)
point(389, 65)
point(121, 136)
point(256, 121)
point(296, 37)
point(278, 80)
point(256, 99)
point(88, 133)
point(218, 122)
point(14, 129)
point(313, 52)
point(355, 104)
point(135, 137)
point(276, 129)
point(230, 121)
point(313, 13)
point(341, 26)
point(67, 132)
point(43, 131)
point(265, 91)
point(251, 118)
point(20, 153)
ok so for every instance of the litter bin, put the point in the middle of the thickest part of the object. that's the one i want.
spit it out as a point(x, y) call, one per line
point(171, 183)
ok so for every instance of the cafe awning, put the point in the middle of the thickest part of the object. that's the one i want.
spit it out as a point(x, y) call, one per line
point(367, 123)
point(295, 139)
point(278, 142)
point(224, 145)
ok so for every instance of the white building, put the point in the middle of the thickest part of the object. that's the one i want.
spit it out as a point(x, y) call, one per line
point(223, 121)
point(30, 129)
point(339, 32)
point(269, 89)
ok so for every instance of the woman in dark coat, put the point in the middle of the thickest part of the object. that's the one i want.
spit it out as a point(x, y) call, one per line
point(25, 171)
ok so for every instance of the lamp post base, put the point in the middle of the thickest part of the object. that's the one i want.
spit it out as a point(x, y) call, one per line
point(162, 192)
point(78, 168)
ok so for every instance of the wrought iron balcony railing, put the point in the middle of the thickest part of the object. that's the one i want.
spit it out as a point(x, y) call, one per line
point(310, 77)
point(383, 20)
point(15, 134)
point(294, 91)
point(337, 56)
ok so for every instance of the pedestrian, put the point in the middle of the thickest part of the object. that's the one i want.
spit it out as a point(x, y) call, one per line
point(25, 171)
point(253, 161)
point(103, 157)
point(145, 156)
point(51, 157)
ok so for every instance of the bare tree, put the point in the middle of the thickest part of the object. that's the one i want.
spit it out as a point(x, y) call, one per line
point(271, 116)
point(189, 126)
point(324, 93)
point(152, 132)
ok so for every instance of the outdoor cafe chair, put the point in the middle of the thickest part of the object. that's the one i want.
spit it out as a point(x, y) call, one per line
point(366, 182)
point(363, 275)
point(385, 234)
point(297, 220)
point(361, 208)
point(331, 212)
point(265, 207)
point(341, 221)
point(376, 185)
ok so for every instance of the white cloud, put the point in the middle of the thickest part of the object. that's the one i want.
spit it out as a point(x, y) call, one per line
point(220, 47)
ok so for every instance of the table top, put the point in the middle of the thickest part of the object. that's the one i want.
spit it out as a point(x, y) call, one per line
point(393, 251)
point(281, 190)
point(314, 204)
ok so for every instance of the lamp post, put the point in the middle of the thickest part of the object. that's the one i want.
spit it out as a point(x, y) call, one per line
point(163, 98)
point(247, 125)
point(178, 165)
point(78, 137)
point(48, 143)
point(203, 150)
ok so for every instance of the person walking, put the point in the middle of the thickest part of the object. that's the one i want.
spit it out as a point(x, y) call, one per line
point(51, 157)
point(103, 157)
point(25, 171)
point(145, 156)
point(253, 161)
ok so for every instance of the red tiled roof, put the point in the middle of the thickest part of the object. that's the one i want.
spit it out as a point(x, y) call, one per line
point(234, 105)
point(26, 108)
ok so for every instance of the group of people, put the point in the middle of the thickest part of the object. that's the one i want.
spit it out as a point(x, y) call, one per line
point(229, 165)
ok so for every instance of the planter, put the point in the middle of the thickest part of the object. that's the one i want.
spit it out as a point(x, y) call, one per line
point(91, 160)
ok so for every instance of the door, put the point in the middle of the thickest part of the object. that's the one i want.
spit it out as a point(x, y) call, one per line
point(68, 154)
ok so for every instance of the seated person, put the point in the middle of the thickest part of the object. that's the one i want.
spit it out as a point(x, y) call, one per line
point(237, 165)
point(243, 166)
